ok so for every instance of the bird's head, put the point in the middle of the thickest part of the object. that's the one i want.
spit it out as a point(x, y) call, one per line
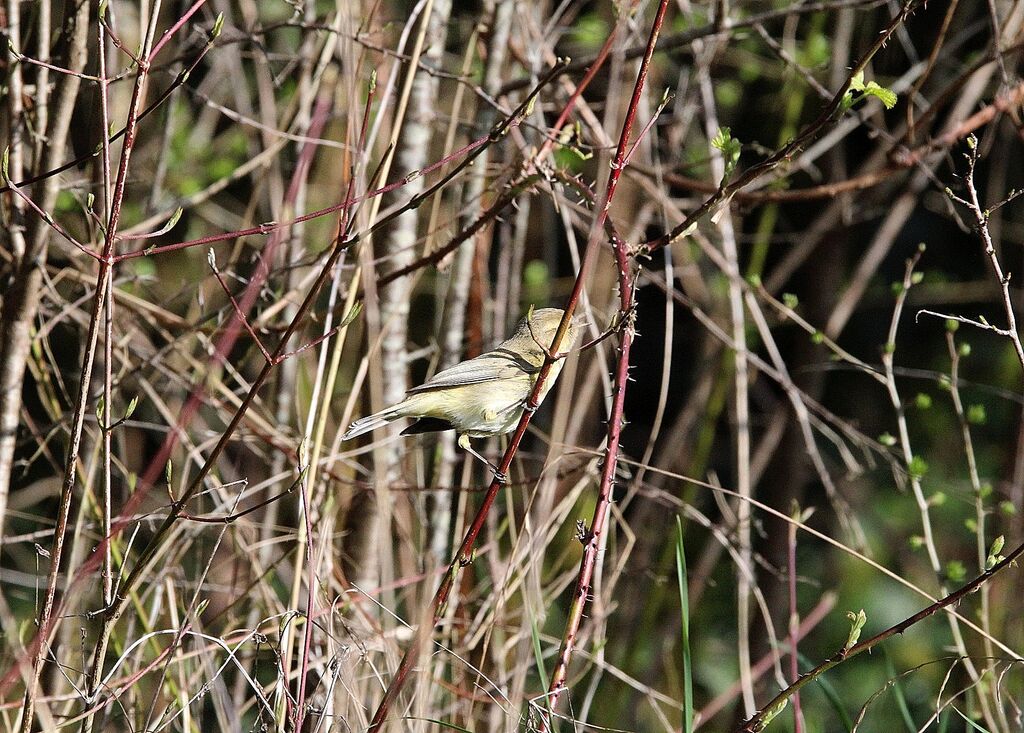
point(540, 326)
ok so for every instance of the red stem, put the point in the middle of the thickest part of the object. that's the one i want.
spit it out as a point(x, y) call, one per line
point(273, 226)
point(196, 399)
point(46, 616)
point(169, 33)
point(464, 556)
point(615, 419)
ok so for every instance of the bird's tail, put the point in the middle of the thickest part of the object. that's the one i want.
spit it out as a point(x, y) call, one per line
point(371, 422)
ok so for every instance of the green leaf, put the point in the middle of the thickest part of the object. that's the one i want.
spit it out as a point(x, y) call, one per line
point(169, 225)
point(886, 96)
point(994, 558)
point(857, 621)
point(351, 315)
point(730, 147)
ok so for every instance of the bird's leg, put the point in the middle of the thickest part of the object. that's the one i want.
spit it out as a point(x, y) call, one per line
point(498, 474)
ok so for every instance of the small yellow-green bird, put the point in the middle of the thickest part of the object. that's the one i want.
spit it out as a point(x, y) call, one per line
point(483, 396)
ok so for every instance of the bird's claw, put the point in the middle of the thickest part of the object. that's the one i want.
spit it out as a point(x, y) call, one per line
point(501, 477)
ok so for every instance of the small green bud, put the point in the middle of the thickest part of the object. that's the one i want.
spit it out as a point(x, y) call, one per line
point(922, 401)
point(857, 621)
point(955, 571)
point(997, 545)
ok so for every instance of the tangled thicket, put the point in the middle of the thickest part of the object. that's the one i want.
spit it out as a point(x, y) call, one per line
point(230, 228)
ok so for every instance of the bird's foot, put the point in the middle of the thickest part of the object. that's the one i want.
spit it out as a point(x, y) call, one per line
point(499, 475)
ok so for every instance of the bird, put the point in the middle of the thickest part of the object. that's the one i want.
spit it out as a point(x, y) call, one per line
point(483, 396)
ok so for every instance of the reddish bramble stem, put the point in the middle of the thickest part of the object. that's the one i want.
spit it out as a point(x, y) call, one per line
point(592, 539)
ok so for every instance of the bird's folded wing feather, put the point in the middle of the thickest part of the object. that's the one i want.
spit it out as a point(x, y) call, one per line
point(497, 364)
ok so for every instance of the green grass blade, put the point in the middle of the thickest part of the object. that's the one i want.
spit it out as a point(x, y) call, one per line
point(684, 604)
point(897, 688)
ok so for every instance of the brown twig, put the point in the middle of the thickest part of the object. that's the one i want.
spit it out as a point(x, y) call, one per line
point(759, 721)
point(826, 118)
point(82, 400)
point(114, 611)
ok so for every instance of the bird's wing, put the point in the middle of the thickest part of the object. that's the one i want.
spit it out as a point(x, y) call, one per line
point(497, 364)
